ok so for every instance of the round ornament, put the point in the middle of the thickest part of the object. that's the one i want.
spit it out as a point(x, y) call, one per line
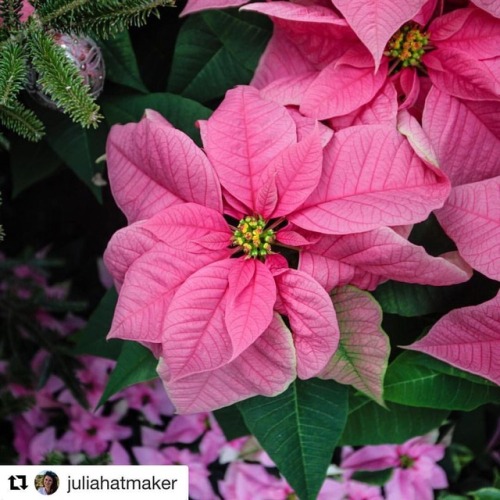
point(85, 54)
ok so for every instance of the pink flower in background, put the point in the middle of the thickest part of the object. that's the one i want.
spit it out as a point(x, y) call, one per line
point(246, 481)
point(150, 399)
point(93, 375)
point(186, 428)
point(349, 489)
point(415, 474)
point(92, 432)
point(200, 487)
point(205, 291)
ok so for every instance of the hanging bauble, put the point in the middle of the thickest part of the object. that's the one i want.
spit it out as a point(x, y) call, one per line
point(85, 54)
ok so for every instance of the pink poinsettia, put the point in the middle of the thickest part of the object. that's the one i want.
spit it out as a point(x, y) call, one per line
point(415, 473)
point(332, 66)
point(208, 263)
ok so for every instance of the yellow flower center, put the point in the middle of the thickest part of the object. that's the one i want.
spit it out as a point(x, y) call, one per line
point(252, 236)
point(407, 46)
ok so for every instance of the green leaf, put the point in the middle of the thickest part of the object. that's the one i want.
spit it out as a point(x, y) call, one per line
point(363, 352)
point(442, 367)
point(135, 364)
point(408, 299)
point(299, 429)
point(215, 51)
point(92, 339)
point(369, 423)
point(31, 163)
point(79, 148)
point(457, 457)
point(231, 422)
point(182, 113)
point(485, 494)
point(121, 64)
point(377, 478)
point(414, 384)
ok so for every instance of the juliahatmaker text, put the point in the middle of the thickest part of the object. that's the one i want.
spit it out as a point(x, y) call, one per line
point(85, 483)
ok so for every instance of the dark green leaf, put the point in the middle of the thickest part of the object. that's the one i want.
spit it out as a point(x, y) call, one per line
point(121, 64)
point(31, 163)
point(414, 384)
point(79, 148)
point(485, 494)
point(457, 456)
point(92, 339)
point(299, 429)
point(369, 423)
point(377, 478)
point(135, 364)
point(217, 50)
point(179, 111)
point(231, 422)
point(440, 366)
point(408, 299)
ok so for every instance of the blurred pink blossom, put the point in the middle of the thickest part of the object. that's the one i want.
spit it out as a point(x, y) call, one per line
point(415, 474)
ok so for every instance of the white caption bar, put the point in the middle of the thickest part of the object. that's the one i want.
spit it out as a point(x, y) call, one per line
point(84, 482)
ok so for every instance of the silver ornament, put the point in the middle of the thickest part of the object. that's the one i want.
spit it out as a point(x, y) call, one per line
point(85, 55)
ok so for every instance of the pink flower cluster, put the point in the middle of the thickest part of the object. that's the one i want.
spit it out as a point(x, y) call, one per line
point(429, 69)
point(279, 209)
point(57, 426)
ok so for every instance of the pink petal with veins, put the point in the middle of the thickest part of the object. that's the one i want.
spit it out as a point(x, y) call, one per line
point(467, 338)
point(242, 137)
point(471, 218)
point(312, 319)
point(463, 76)
point(491, 6)
point(153, 158)
point(267, 367)
point(377, 20)
point(343, 86)
point(371, 178)
point(470, 30)
point(465, 135)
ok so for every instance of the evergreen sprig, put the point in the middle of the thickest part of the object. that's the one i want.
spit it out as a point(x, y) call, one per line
point(103, 18)
point(13, 71)
point(31, 44)
point(18, 118)
point(60, 78)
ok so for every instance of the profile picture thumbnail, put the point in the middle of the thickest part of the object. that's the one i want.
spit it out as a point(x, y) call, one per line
point(47, 482)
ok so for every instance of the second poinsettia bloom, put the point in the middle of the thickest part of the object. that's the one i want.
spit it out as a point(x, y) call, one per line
point(208, 268)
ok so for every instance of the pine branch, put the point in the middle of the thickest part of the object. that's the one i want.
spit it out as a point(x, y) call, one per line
point(10, 12)
point(59, 78)
point(12, 71)
point(21, 120)
point(103, 18)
